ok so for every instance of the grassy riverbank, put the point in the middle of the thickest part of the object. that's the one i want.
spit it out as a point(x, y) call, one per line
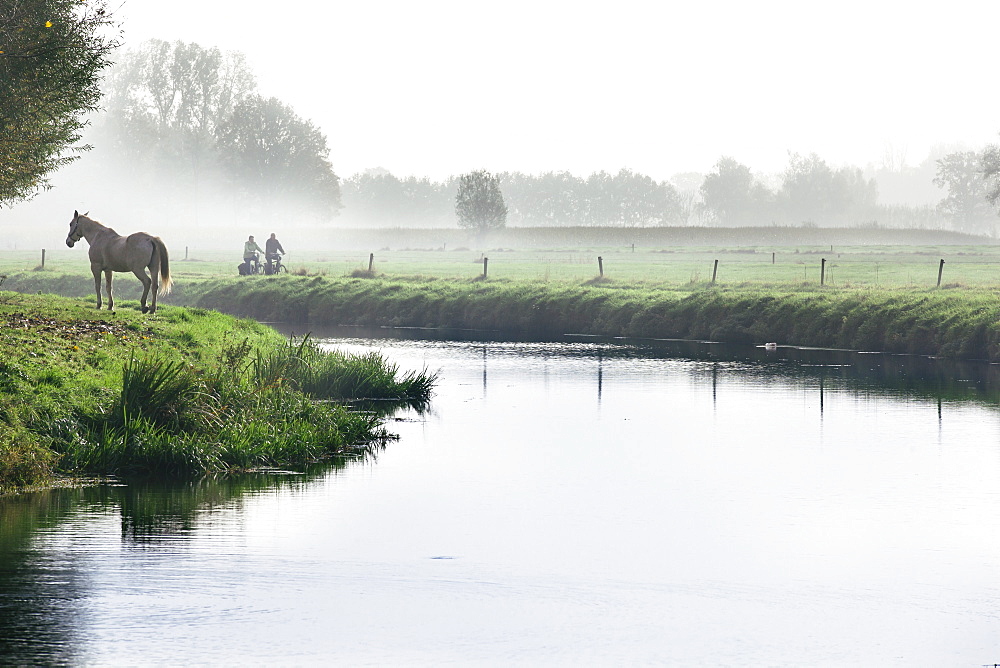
point(187, 391)
point(950, 322)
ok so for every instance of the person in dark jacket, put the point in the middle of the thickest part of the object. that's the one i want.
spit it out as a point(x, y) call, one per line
point(272, 246)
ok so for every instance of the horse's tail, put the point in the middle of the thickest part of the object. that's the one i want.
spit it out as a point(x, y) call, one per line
point(165, 281)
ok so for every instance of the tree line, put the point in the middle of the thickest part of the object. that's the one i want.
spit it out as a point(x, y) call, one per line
point(187, 121)
point(173, 126)
point(810, 192)
point(181, 124)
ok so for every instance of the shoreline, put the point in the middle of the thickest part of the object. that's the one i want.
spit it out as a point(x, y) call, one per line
point(88, 394)
point(951, 322)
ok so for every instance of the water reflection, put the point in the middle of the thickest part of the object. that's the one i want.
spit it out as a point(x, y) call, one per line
point(44, 579)
point(600, 375)
point(154, 511)
point(37, 589)
point(715, 385)
point(896, 375)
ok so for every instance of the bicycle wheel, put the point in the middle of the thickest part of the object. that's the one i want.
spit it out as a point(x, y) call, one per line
point(281, 269)
point(260, 268)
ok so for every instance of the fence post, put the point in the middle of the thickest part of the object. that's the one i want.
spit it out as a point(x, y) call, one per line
point(600, 265)
point(772, 257)
point(822, 271)
point(43, 258)
point(486, 262)
point(715, 270)
point(185, 253)
point(940, 271)
point(371, 262)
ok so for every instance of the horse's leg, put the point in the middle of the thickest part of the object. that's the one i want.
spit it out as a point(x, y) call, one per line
point(97, 284)
point(111, 300)
point(146, 281)
point(154, 281)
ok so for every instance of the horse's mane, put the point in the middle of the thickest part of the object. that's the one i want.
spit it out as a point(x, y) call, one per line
point(97, 222)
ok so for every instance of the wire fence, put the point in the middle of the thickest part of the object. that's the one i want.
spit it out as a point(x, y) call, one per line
point(856, 267)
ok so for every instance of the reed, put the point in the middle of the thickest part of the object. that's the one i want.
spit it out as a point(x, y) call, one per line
point(337, 375)
point(251, 427)
point(334, 375)
point(167, 393)
point(140, 447)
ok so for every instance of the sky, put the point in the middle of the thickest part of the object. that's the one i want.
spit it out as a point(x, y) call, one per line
point(436, 88)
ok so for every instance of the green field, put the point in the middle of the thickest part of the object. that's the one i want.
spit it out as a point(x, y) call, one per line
point(881, 297)
point(846, 266)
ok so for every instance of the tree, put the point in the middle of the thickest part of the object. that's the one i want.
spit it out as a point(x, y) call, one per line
point(689, 202)
point(814, 192)
point(279, 158)
point(967, 201)
point(376, 196)
point(628, 199)
point(166, 101)
point(51, 56)
point(185, 128)
point(624, 199)
point(479, 204)
point(733, 196)
point(991, 172)
point(552, 198)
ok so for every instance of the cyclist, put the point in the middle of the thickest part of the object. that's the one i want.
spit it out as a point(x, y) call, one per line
point(271, 254)
point(250, 250)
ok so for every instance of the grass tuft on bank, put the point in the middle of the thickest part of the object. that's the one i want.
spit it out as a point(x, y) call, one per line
point(185, 392)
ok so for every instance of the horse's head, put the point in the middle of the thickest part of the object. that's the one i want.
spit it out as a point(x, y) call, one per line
point(75, 231)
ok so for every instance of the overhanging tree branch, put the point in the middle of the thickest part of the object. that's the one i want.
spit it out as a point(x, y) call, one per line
point(51, 56)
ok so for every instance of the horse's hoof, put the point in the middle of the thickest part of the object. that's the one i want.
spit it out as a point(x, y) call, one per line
point(145, 309)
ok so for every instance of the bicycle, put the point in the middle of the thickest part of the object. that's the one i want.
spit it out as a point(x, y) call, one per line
point(274, 266)
point(251, 265)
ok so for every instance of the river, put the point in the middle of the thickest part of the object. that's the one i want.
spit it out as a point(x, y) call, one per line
point(562, 503)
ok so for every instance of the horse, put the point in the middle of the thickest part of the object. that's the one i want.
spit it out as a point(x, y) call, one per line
point(111, 252)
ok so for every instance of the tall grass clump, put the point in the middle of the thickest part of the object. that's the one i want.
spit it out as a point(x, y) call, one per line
point(254, 408)
point(335, 375)
point(160, 423)
point(140, 447)
point(24, 459)
point(167, 393)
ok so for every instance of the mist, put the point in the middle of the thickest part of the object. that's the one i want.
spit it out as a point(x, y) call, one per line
point(202, 209)
point(197, 156)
